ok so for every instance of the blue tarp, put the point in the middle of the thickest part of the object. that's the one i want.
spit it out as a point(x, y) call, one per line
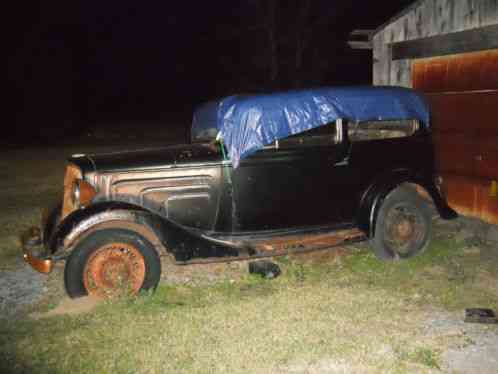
point(248, 123)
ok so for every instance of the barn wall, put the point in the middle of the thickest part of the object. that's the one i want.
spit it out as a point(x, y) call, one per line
point(425, 18)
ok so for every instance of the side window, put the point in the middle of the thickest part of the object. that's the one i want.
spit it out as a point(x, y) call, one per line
point(325, 135)
point(374, 130)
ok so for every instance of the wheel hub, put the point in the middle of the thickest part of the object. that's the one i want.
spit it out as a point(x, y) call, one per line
point(113, 269)
point(403, 229)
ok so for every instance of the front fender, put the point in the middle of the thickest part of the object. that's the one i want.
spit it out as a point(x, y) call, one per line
point(375, 194)
point(164, 234)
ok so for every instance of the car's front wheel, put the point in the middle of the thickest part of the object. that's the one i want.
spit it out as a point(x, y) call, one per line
point(112, 262)
point(403, 227)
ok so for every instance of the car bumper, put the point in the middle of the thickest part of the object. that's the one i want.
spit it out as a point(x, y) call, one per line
point(33, 251)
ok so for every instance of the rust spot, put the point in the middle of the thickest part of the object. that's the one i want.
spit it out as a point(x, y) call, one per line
point(113, 269)
point(288, 243)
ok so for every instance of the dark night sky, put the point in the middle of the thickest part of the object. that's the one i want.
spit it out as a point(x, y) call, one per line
point(76, 63)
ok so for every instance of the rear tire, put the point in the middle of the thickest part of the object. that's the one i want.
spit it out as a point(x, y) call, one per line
point(111, 262)
point(404, 226)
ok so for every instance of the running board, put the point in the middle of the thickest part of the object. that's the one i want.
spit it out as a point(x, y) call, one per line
point(286, 246)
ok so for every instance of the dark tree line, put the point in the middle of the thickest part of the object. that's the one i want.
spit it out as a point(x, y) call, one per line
point(285, 44)
point(72, 63)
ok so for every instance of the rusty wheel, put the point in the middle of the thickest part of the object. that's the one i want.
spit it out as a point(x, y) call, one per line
point(403, 226)
point(112, 262)
point(114, 268)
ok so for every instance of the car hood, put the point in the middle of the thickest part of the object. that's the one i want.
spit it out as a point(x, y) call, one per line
point(154, 158)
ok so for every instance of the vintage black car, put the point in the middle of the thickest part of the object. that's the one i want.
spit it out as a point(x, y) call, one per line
point(264, 175)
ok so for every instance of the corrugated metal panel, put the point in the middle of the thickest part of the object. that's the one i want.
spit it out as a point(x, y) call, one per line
point(463, 91)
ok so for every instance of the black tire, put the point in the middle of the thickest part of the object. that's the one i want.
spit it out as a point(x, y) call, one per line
point(131, 251)
point(404, 226)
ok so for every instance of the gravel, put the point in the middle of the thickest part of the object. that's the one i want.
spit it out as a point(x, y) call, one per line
point(20, 288)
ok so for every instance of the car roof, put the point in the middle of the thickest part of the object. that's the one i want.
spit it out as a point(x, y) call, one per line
point(247, 123)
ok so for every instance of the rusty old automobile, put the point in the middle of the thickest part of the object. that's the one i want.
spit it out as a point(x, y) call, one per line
point(263, 175)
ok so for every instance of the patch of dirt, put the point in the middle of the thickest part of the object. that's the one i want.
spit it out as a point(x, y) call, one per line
point(325, 366)
point(201, 273)
point(232, 271)
point(71, 307)
point(321, 257)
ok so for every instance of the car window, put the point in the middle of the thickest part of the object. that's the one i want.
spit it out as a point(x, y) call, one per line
point(373, 130)
point(325, 135)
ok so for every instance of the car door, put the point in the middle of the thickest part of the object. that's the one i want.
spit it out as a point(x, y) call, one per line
point(299, 181)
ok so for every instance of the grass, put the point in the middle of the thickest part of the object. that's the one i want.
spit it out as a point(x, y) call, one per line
point(355, 314)
point(358, 314)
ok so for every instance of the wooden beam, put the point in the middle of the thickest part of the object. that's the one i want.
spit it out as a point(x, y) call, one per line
point(365, 32)
point(360, 45)
point(478, 39)
point(362, 39)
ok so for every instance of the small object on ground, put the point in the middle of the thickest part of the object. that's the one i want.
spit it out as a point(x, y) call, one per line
point(480, 315)
point(266, 269)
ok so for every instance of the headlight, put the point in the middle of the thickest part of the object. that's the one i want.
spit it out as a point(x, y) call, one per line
point(82, 193)
point(75, 194)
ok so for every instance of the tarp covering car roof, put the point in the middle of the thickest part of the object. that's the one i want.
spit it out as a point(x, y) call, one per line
point(247, 123)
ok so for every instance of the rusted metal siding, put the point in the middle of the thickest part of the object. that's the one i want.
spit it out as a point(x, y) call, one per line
point(463, 92)
point(463, 72)
point(425, 18)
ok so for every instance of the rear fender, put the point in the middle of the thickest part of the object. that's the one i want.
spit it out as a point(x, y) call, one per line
point(165, 235)
point(376, 193)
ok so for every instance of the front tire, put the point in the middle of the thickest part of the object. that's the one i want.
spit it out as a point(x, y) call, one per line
point(110, 262)
point(404, 226)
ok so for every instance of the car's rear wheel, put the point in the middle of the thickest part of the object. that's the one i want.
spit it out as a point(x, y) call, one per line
point(112, 262)
point(403, 227)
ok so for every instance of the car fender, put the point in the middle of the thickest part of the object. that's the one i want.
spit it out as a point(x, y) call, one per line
point(375, 194)
point(166, 235)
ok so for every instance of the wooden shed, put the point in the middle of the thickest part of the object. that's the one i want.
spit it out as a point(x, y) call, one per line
point(449, 50)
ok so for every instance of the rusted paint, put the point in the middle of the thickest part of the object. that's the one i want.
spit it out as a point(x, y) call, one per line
point(72, 173)
point(463, 93)
point(87, 192)
point(457, 73)
point(290, 245)
point(30, 241)
point(469, 112)
point(303, 241)
point(114, 268)
point(470, 196)
point(40, 265)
